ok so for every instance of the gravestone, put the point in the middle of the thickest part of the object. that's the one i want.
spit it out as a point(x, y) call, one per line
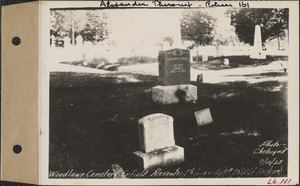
point(174, 67)
point(204, 57)
point(203, 117)
point(257, 51)
point(226, 62)
point(200, 78)
point(174, 78)
point(52, 41)
point(156, 138)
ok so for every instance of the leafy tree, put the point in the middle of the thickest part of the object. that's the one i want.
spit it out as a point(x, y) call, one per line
point(90, 24)
point(96, 28)
point(225, 37)
point(67, 23)
point(169, 40)
point(273, 23)
point(197, 26)
point(55, 20)
point(224, 32)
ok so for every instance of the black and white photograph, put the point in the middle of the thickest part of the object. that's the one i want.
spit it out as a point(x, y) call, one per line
point(154, 90)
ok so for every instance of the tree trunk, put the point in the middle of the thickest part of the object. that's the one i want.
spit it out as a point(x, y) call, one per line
point(278, 42)
point(72, 30)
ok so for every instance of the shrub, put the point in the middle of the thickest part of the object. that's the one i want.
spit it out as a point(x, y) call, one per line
point(136, 60)
point(93, 63)
point(77, 63)
point(97, 63)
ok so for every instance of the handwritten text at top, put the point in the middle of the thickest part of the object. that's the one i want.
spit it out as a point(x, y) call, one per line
point(166, 4)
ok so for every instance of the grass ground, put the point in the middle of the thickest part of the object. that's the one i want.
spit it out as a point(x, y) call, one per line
point(235, 62)
point(93, 124)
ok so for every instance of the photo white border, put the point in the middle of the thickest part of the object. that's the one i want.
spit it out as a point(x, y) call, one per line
point(293, 102)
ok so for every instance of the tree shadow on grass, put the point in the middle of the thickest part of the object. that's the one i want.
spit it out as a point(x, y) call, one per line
point(93, 122)
point(261, 75)
point(82, 79)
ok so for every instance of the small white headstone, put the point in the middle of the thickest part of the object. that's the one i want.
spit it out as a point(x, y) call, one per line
point(203, 117)
point(204, 57)
point(85, 63)
point(156, 132)
point(226, 62)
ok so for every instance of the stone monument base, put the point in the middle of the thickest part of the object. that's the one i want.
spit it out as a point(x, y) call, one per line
point(174, 93)
point(258, 55)
point(163, 157)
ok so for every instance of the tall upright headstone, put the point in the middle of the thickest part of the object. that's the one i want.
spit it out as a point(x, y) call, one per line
point(174, 67)
point(177, 41)
point(174, 78)
point(257, 51)
point(156, 137)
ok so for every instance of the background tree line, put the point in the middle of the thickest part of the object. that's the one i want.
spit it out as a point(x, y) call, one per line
point(92, 25)
point(198, 26)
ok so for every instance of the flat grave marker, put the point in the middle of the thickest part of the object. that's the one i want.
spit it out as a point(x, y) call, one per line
point(203, 117)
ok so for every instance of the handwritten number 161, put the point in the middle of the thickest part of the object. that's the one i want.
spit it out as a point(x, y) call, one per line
point(244, 5)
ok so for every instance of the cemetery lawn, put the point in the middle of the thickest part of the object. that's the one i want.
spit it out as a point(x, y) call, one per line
point(235, 62)
point(93, 124)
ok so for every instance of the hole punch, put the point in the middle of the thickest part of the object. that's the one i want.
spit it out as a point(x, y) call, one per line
point(16, 41)
point(17, 149)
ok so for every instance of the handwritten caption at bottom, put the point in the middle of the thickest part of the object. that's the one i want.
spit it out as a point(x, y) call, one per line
point(272, 164)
